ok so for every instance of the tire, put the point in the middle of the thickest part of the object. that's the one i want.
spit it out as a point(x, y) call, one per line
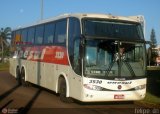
point(63, 91)
point(23, 82)
point(18, 76)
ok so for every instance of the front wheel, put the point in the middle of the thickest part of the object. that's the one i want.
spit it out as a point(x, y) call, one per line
point(63, 91)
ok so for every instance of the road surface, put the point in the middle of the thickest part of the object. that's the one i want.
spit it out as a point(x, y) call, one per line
point(31, 100)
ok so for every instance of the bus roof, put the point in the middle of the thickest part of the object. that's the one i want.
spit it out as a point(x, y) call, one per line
point(137, 19)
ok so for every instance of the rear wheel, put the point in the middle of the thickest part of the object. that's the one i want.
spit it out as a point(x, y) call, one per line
point(63, 91)
point(23, 82)
point(18, 75)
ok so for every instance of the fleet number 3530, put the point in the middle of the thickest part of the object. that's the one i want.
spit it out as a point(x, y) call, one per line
point(95, 81)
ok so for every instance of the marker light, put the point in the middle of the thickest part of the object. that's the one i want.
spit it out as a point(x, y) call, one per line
point(93, 87)
point(140, 87)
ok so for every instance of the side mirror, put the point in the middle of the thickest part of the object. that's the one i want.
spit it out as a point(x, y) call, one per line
point(82, 40)
point(148, 42)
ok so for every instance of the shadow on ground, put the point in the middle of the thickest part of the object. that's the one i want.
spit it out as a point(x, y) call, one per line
point(153, 79)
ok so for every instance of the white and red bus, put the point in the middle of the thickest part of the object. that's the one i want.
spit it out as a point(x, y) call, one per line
point(79, 57)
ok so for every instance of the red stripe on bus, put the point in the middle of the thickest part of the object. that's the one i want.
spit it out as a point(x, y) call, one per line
point(49, 54)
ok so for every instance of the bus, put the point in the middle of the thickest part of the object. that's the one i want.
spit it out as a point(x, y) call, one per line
point(78, 56)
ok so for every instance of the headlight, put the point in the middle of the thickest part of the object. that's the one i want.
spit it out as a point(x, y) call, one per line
point(93, 87)
point(140, 87)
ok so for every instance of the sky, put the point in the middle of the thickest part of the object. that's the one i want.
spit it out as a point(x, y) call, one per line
point(15, 13)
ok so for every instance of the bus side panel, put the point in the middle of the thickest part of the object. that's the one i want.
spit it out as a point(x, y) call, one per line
point(41, 74)
point(48, 77)
point(31, 72)
point(13, 66)
point(75, 85)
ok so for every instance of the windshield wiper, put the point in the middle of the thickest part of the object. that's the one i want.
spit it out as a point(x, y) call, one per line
point(119, 68)
point(109, 68)
point(129, 68)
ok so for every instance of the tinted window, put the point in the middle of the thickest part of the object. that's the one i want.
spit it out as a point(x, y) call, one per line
point(60, 33)
point(13, 38)
point(24, 36)
point(49, 33)
point(18, 36)
point(39, 34)
point(74, 44)
point(105, 28)
point(31, 35)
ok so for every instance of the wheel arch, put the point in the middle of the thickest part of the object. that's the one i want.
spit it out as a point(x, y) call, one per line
point(64, 76)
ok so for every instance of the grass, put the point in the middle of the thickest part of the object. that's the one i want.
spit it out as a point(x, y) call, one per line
point(152, 98)
point(153, 67)
point(4, 66)
point(150, 101)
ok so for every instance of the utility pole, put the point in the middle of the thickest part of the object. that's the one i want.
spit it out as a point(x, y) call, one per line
point(41, 9)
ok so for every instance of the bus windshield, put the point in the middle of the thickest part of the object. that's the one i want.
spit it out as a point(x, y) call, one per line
point(114, 58)
point(112, 29)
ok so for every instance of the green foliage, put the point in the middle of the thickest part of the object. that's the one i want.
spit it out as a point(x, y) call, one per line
point(5, 33)
point(152, 98)
point(4, 66)
point(7, 52)
point(152, 54)
point(153, 38)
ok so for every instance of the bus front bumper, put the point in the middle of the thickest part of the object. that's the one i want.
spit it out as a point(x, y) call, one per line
point(102, 96)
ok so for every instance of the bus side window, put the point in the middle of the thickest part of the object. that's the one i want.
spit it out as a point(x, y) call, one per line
point(74, 44)
point(13, 38)
point(49, 33)
point(39, 34)
point(31, 33)
point(18, 37)
point(13, 43)
point(60, 32)
point(24, 36)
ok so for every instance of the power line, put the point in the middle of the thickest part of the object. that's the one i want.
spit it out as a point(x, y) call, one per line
point(41, 9)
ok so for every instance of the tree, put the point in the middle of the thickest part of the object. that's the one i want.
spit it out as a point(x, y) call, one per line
point(153, 38)
point(5, 33)
point(153, 53)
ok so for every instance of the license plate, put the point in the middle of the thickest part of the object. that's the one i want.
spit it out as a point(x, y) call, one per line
point(119, 96)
